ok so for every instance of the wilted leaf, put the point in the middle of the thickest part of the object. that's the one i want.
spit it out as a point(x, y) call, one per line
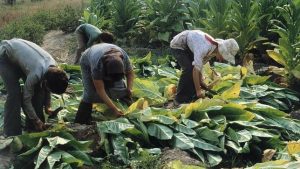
point(268, 155)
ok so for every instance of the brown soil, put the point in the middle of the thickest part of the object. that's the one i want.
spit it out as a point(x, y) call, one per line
point(169, 155)
point(60, 45)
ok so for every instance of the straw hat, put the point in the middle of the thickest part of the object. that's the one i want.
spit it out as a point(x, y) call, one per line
point(228, 49)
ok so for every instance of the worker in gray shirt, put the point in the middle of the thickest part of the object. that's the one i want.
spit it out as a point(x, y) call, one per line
point(21, 59)
point(87, 35)
point(103, 68)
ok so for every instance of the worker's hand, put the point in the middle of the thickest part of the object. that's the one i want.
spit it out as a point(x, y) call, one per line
point(53, 113)
point(39, 125)
point(118, 113)
point(200, 93)
point(204, 86)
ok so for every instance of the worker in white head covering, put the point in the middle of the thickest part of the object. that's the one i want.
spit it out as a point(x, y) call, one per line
point(192, 49)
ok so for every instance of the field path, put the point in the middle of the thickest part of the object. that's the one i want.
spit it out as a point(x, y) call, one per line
point(60, 45)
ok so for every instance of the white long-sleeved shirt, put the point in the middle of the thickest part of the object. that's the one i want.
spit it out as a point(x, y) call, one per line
point(195, 40)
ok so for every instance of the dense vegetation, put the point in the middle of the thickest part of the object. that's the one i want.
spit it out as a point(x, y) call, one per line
point(32, 20)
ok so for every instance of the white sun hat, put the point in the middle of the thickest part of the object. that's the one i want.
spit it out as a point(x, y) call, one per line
point(228, 49)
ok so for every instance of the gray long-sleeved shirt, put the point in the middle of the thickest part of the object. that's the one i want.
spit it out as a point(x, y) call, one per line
point(33, 61)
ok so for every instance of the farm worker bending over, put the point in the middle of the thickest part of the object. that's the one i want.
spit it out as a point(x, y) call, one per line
point(21, 59)
point(192, 49)
point(87, 35)
point(103, 68)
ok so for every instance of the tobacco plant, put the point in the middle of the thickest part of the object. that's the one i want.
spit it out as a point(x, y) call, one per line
point(245, 17)
point(216, 22)
point(125, 16)
point(287, 52)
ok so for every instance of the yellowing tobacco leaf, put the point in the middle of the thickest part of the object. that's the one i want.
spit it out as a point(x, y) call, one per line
point(244, 72)
point(140, 104)
point(231, 93)
point(170, 91)
point(202, 104)
point(277, 57)
point(256, 79)
point(293, 147)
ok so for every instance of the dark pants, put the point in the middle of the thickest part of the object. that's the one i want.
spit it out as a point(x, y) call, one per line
point(185, 90)
point(11, 74)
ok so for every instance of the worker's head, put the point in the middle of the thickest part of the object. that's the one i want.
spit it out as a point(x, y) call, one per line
point(56, 80)
point(228, 49)
point(106, 37)
point(113, 64)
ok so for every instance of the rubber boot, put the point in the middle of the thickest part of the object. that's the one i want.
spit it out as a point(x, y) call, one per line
point(84, 113)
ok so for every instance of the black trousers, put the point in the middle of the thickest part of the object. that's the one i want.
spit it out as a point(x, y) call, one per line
point(186, 91)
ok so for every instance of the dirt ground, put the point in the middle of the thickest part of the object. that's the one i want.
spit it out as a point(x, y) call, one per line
point(61, 46)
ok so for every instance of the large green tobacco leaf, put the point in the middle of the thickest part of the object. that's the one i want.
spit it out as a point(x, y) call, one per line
point(69, 159)
point(149, 90)
point(288, 124)
point(259, 133)
point(159, 131)
point(201, 144)
point(33, 149)
point(190, 123)
point(43, 154)
point(54, 141)
point(114, 126)
point(209, 135)
point(120, 148)
point(244, 136)
point(140, 126)
point(53, 157)
point(159, 118)
point(237, 148)
point(167, 72)
point(182, 141)
point(266, 110)
point(213, 159)
point(183, 129)
point(32, 139)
